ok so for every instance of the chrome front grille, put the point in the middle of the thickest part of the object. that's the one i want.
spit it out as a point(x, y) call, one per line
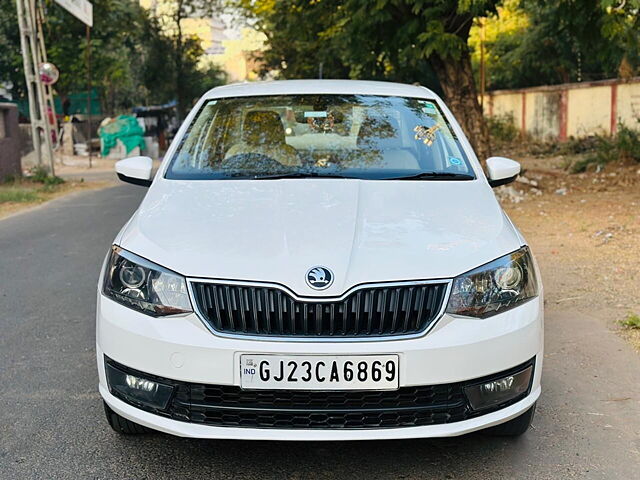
point(375, 311)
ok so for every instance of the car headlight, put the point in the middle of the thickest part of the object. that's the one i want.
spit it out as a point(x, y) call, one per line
point(494, 287)
point(144, 286)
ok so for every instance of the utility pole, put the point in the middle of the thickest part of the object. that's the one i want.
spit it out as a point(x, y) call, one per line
point(88, 53)
point(482, 65)
point(41, 108)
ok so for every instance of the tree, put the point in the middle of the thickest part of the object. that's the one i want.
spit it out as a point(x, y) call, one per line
point(10, 54)
point(186, 49)
point(118, 47)
point(299, 38)
point(390, 39)
point(304, 41)
point(621, 25)
point(134, 61)
point(540, 42)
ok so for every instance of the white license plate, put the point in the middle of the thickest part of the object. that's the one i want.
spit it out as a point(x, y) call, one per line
point(319, 372)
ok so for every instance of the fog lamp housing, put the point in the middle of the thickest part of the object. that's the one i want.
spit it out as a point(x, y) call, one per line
point(492, 393)
point(137, 389)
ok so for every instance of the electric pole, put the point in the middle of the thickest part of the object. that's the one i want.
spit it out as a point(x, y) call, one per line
point(41, 108)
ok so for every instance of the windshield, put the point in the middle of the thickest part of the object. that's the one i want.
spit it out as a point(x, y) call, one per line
point(352, 136)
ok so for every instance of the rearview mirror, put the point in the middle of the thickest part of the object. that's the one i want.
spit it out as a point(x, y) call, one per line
point(502, 170)
point(136, 170)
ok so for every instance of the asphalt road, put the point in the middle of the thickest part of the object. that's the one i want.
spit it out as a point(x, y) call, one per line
point(52, 424)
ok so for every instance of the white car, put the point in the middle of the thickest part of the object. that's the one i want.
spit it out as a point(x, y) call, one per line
point(319, 260)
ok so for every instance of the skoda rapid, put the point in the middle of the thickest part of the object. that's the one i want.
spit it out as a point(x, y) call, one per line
point(319, 260)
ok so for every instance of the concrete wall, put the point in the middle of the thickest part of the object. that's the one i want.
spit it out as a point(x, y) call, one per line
point(9, 141)
point(557, 112)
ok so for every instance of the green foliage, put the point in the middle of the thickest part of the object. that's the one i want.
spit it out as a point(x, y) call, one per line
point(11, 178)
point(387, 39)
point(190, 81)
point(623, 147)
point(300, 37)
point(35, 187)
point(10, 56)
point(627, 143)
point(17, 195)
point(621, 25)
point(632, 321)
point(40, 174)
point(30, 189)
point(133, 61)
point(541, 42)
point(502, 128)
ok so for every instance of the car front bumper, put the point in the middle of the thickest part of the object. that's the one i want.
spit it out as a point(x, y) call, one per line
point(457, 349)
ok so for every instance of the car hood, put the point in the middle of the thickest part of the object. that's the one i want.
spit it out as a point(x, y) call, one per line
point(276, 230)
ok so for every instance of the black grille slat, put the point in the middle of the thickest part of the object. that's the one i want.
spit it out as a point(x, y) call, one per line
point(375, 311)
point(369, 296)
point(345, 315)
point(241, 297)
point(216, 303)
point(318, 315)
point(420, 308)
point(292, 310)
point(395, 302)
point(409, 312)
point(305, 318)
point(267, 309)
point(254, 310)
point(332, 320)
point(280, 315)
point(356, 329)
point(227, 298)
point(383, 309)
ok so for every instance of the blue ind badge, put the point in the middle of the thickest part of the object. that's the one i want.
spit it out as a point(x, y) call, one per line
point(455, 161)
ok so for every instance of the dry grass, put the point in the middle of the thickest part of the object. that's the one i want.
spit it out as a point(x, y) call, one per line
point(24, 194)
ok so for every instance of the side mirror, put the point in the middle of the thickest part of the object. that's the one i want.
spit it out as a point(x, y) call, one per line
point(502, 170)
point(136, 170)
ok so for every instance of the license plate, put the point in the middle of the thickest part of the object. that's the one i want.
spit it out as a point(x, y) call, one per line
point(319, 372)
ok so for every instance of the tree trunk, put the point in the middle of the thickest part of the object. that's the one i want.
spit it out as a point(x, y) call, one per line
point(456, 79)
point(181, 107)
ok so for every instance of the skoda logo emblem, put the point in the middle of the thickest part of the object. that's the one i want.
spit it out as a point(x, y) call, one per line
point(319, 278)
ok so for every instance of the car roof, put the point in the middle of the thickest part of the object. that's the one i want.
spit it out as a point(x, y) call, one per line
point(286, 87)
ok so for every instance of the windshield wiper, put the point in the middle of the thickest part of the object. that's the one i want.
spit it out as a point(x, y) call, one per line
point(277, 176)
point(434, 176)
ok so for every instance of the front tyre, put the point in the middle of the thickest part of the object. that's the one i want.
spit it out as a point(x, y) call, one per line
point(121, 424)
point(514, 427)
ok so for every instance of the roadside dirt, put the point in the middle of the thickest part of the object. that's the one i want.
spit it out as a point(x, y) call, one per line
point(9, 208)
point(77, 174)
point(585, 232)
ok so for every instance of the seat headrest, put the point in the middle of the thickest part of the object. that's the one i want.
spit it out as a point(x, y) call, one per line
point(379, 132)
point(262, 127)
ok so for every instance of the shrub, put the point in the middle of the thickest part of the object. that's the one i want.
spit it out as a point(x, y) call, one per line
point(624, 146)
point(11, 178)
point(39, 174)
point(628, 143)
point(502, 128)
point(632, 321)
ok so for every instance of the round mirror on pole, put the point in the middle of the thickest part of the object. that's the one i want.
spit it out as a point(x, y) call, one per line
point(49, 73)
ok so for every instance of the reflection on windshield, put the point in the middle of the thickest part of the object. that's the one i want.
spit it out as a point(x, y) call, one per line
point(292, 136)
